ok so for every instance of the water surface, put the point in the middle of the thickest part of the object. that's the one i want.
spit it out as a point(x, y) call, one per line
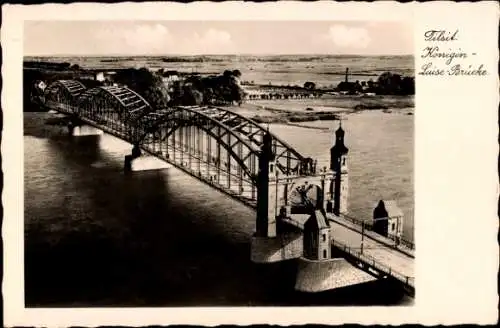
point(97, 237)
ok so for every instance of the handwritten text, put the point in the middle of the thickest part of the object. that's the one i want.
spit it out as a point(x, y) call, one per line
point(443, 58)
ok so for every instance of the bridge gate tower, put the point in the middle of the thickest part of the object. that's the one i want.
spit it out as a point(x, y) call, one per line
point(284, 200)
point(338, 189)
point(266, 221)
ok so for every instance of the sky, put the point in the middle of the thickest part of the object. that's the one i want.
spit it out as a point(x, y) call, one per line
point(52, 38)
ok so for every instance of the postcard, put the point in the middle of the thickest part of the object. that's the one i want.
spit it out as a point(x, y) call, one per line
point(250, 163)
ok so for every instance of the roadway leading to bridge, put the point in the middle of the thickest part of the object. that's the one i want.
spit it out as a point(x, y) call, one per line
point(383, 254)
point(379, 256)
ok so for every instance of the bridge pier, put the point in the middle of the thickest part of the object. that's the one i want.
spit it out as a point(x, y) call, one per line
point(83, 130)
point(137, 161)
point(319, 268)
point(286, 245)
point(267, 245)
point(321, 275)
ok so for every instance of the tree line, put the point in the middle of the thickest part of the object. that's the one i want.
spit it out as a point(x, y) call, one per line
point(387, 83)
point(193, 90)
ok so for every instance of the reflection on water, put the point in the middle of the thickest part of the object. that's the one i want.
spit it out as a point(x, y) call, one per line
point(97, 237)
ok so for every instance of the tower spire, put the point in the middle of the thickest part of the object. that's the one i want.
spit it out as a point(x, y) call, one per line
point(337, 161)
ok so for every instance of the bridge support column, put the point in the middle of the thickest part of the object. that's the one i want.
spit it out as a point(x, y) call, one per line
point(137, 161)
point(83, 130)
point(273, 242)
point(321, 267)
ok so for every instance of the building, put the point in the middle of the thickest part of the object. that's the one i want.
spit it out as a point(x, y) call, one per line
point(388, 219)
point(317, 237)
point(105, 76)
point(170, 79)
point(100, 76)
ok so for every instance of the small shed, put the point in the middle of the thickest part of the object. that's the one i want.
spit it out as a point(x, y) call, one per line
point(317, 237)
point(100, 76)
point(388, 219)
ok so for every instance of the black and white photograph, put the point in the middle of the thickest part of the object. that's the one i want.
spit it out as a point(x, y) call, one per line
point(240, 163)
point(218, 163)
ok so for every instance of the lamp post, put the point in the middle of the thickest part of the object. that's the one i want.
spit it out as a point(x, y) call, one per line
point(362, 234)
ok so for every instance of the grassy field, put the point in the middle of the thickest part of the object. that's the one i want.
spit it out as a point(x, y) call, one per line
point(330, 107)
point(338, 103)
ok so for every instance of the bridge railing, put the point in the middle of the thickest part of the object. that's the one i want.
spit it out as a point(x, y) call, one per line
point(355, 220)
point(408, 281)
point(404, 242)
point(59, 106)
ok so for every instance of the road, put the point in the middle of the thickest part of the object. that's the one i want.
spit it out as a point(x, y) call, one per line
point(385, 255)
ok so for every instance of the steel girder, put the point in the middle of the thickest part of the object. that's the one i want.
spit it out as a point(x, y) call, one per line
point(117, 107)
point(244, 153)
point(127, 113)
point(64, 92)
point(134, 103)
point(245, 130)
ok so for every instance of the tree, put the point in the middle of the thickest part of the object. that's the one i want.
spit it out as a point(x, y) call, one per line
point(408, 86)
point(309, 85)
point(237, 73)
point(389, 83)
point(191, 96)
point(146, 83)
point(215, 89)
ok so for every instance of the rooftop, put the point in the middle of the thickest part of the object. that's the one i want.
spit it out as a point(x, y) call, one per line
point(392, 208)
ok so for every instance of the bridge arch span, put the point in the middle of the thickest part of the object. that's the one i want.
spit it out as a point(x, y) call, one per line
point(113, 104)
point(131, 101)
point(64, 92)
point(202, 137)
point(248, 132)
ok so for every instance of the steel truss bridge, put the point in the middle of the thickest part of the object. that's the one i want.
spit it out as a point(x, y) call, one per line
point(213, 144)
point(217, 146)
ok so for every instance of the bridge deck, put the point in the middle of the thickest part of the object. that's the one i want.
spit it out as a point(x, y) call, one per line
point(393, 258)
point(378, 255)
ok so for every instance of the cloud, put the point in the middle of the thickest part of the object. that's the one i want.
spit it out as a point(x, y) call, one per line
point(348, 37)
point(157, 39)
point(148, 34)
point(214, 37)
point(144, 38)
point(211, 41)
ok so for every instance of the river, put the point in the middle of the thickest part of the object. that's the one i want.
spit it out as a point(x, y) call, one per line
point(97, 237)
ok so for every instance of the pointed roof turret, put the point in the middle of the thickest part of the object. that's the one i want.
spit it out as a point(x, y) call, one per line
point(339, 148)
point(267, 138)
point(340, 132)
point(267, 142)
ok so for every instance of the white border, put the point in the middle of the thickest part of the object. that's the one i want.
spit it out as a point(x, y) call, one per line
point(456, 181)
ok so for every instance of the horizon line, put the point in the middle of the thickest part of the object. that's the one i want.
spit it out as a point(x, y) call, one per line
point(199, 55)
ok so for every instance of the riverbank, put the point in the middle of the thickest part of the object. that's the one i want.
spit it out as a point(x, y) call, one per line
point(329, 108)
